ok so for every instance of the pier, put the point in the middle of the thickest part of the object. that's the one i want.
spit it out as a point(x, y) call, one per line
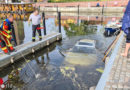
point(28, 48)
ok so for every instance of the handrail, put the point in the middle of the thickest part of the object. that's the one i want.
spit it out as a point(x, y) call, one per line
point(102, 82)
point(111, 47)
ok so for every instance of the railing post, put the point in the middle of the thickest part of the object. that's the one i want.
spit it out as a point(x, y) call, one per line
point(59, 20)
point(44, 22)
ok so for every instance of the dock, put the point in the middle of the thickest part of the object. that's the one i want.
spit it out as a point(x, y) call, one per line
point(28, 48)
point(116, 74)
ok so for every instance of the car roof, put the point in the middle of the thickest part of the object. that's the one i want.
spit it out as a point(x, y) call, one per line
point(87, 41)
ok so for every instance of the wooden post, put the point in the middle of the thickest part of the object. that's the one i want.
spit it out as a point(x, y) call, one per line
point(18, 31)
point(44, 22)
point(59, 19)
point(13, 34)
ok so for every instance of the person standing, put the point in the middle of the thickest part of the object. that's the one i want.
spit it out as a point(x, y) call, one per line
point(126, 29)
point(36, 20)
point(6, 35)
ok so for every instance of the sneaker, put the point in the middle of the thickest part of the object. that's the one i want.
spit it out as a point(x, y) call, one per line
point(40, 39)
point(33, 40)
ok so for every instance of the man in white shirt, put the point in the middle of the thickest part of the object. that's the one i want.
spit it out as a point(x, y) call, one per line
point(36, 20)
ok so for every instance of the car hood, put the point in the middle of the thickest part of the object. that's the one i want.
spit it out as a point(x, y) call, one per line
point(80, 58)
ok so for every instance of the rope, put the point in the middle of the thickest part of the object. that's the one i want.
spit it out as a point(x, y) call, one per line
point(28, 63)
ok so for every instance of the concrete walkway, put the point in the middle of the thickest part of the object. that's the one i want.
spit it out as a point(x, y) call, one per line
point(119, 77)
point(28, 48)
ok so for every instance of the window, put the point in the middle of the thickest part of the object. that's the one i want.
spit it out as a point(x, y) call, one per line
point(84, 50)
point(84, 43)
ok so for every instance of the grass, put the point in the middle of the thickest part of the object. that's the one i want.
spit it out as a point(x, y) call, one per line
point(75, 0)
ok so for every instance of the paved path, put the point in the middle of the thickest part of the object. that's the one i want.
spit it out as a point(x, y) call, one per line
point(119, 77)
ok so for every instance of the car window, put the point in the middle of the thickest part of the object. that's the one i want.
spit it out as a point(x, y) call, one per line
point(84, 50)
point(85, 43)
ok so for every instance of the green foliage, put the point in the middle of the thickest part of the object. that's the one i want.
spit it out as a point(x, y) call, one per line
point(82, 29)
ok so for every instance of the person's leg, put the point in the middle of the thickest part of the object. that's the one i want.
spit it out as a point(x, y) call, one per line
point(126, 50)
point(39, 32)
point(33, 33)
point(8, 44)
point(127, 45)
point(3, 47)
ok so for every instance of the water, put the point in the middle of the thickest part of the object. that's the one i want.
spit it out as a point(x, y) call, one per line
point(51, 66)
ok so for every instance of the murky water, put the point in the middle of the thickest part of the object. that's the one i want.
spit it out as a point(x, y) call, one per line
point(48, 68)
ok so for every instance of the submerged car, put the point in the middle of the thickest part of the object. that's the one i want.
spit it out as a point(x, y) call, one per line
point(83, 53)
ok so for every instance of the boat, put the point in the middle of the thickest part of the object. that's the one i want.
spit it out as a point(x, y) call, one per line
point(113, 28)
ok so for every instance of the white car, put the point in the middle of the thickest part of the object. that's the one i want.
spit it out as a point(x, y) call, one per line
point(83, 53)
point(86, 43)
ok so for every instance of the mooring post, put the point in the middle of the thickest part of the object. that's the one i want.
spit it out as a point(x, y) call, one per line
point(78, 16)
point(102, 9)
point(59, 19)
point(44, 22)
point(57, 9)
point(102, 14)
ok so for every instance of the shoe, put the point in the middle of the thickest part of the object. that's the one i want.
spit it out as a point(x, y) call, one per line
point(40, 39)
point(14, 50)
point(7, 53)
point(33, 40)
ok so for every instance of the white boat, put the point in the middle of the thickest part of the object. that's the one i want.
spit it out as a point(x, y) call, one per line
point(113, 28)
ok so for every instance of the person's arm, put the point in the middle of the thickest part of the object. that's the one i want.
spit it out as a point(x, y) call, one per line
point(41, 20)
point(4, 33)
point(29, 21)
point(5, 25)
point(30, 18)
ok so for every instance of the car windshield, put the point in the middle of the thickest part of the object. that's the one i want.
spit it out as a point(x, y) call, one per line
point(85, 43)
point(84, 50)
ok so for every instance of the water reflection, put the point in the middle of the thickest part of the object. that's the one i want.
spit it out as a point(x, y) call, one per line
point(50, 65)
